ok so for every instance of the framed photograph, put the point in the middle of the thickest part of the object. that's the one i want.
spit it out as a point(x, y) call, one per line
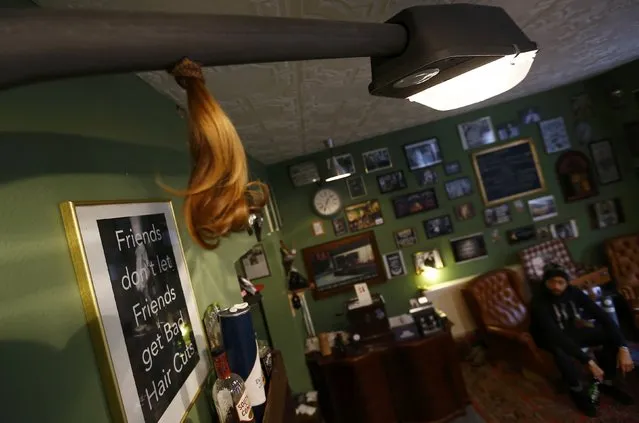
point(519, 206)
point(554, 134)
point(394, 264)
point(605, 162)
point(565, 230)
point(356, 187)
point(464, 211)
point(457, 188)
point(126, 256)
point(415, 202)
point(529, 115)
point(255, 264)
point(507, 131)
point(542, 208)
point(375, 160)
point(452, 168)
point(318, 228)
point(469, 248)
point(497, 215)
point(606, 213)
point(303, 174)
point(339, 226)
point(364, 215)
point(426, 177)
point(438, 226)
point(476, 133)
point(345, 161)
point(521, 234)
point(405, 237)
point(392, 181)
point(575, 176)
point(543, 233)
point(423, 154)
point(336, 266)
point(424, 259)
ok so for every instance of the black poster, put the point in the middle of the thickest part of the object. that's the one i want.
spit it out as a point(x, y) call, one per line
point(151, 308)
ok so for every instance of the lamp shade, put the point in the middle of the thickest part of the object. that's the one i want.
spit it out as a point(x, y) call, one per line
point(335, 170)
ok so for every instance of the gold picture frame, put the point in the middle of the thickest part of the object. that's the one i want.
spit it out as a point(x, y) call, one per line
point(85, 224)
point(527, 161)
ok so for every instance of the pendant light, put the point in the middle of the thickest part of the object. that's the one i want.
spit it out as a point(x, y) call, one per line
point(335, 170)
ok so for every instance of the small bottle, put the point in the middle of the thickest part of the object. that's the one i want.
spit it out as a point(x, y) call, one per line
point(229, 394)
point(593, 392)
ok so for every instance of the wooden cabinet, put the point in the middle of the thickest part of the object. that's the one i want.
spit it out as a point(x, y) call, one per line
point(412, 381)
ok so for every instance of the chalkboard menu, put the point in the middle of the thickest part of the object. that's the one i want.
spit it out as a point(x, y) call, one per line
point(508, 171)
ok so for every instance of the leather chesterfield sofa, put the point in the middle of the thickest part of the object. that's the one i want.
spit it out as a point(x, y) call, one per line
point(623, 256)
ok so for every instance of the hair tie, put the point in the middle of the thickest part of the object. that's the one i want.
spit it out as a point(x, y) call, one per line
point(186, 68)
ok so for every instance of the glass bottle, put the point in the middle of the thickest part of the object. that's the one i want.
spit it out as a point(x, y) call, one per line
point(229, 394)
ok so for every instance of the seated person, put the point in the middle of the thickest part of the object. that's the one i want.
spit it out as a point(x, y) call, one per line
point(557, 326)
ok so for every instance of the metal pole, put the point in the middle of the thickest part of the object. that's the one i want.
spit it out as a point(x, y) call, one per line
point(41, 44)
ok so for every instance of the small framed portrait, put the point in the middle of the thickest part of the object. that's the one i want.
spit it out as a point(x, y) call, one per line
point(605, 162)
point(554, 134)
point(452, 168)
point(394, 264)
point(426, 177)
point(542, 208)
point(529, 115)
point(423, 259)
point(345, 161)
point(458, 188)
point(405, 237)
point(255, 264)
point(606, 213)
point(469, 248)
point(392, 181)
point(317, 227)
point(476, 133)
point(356, 187)
point(415, 202)
point(464, 211)
point(507, 131)
point(423, 154)
point(565, 230)
point(497, 215)
point(438, 226)
point(375, 160)
point(339, 226)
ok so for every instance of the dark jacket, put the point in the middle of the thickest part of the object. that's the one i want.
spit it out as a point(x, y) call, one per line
point(551, 315)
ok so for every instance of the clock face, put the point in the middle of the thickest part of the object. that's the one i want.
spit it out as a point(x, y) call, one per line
point(327, 202)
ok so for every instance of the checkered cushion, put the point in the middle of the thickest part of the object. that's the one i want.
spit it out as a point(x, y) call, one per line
point(533, 259)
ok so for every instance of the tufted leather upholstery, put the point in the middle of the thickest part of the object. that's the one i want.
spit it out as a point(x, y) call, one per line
point(623, 255)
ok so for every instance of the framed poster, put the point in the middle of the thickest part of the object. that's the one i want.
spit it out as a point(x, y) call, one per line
point(542, 208)
point(394, 264)
point(606, 213)
point(255, 264)
point(405, 237)
point(364, 215)
point(605, 162)
point(375, 160)
point(303, 174)
point(469, 248)
point(458, 188)
point(393, 181)
point(476, 133)
point(356, 187)
point(554, 134)
point(438, 226)
point(140, 307)
point(423, 154)
point(415, 202)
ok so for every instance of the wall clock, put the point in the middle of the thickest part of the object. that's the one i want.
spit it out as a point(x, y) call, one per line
point(327, 202)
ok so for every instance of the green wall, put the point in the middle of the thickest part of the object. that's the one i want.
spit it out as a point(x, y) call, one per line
point(297, 214)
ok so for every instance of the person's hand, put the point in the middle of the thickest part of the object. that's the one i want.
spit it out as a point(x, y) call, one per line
point(596, 371)
point(624, 360)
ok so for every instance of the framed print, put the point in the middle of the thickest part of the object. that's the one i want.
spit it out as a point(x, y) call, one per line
point(356, 187)
point(345, 161)
point(529, 115)
point(452, 168)
point(405, 237)
point(336, 266)
point(423, 154)
point(339, 226)
point(318, 228)
point(393, 181)
point(508, 131)
point(364, 215)
point(476, 133)
point(464, 211)
point(375, 160)
point(415, 202)
point(431, 258)
point(606, 213)
point(508, 171)
point(255, 264)
point(497, 215)
point(605, 162)
point(438, 226)
point(575, 176)
point(469, 248)
point(521, 234)
point(457, 188)
point(542, 208)
point(303, 174)
point(426, 177)
point(394, 264)
point(565, 230)
point(543, 233)
point(140, 307)
point(554, 134)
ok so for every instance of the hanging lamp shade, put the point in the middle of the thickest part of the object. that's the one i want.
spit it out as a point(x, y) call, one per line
point(335, 170)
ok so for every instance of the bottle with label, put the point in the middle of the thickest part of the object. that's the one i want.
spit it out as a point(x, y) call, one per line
point(229, 394)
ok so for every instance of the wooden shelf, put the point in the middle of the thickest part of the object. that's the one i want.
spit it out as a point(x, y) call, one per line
point(280, 406)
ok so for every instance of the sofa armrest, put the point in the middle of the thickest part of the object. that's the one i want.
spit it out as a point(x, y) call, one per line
point(515, 335)
point(629, 292)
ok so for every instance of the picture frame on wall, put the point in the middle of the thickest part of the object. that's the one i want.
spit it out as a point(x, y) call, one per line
point(542, 208)
point(554, 134)
point(255, 263)
point(521, 234)
point(565, 230)
point(575, 175)
point(405, 237)
point(364, 215)
point(452, 168)
point(304, 173)
point(394, 264)
point(605, 162)
point(356, 187)
point(508, 130)
point(438, 226)
point(606, 213)
point(339, 226)
point(110, 242)
point(477, 133)
point(392, 181)
point(427, 259)
point(423, 154)
point(414, 203)
point(497, 215)
point(465, 211)
point(457, 188)
point(378, 159)
point(469, 248)
point(529, 115)
point(426, 177)
point(345, 161)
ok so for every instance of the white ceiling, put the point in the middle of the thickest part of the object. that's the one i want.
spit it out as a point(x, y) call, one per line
point(285, 110)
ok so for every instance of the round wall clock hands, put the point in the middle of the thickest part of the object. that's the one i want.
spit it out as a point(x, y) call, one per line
point(327, 202)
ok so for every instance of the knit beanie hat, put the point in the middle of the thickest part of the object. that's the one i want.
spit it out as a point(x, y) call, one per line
point(553, 271)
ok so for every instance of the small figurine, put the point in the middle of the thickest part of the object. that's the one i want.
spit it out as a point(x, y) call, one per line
point(295, 279)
